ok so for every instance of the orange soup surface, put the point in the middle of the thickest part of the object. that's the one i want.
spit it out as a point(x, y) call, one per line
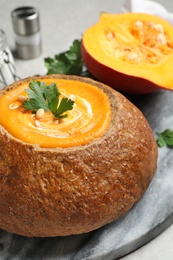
point(89, 118)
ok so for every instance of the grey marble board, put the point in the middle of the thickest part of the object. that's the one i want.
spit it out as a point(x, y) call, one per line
point(146, 220)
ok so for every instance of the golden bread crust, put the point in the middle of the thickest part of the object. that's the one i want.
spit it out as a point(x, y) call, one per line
point(63, 191)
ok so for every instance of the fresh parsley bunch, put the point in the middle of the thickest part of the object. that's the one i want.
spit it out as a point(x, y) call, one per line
point(165, 138)
point(47, 97)
point(69, 62)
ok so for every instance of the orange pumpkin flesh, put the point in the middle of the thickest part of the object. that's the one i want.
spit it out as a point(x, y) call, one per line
point(131, 52)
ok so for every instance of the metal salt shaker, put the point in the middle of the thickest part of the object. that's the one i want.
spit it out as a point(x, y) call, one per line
point(26, 26)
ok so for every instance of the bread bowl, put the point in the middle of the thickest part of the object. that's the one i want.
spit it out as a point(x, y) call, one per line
point(64, 190)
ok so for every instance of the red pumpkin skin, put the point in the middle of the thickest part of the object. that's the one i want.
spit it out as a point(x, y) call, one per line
point(117, 80)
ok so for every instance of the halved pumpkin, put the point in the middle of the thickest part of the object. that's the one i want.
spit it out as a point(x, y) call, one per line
point(131, 52)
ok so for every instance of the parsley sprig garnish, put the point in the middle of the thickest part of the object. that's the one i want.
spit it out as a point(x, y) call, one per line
point(48, 98)
point(165, 138)
point(69, 62)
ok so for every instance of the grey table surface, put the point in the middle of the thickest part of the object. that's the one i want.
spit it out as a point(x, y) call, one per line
point(61, 23)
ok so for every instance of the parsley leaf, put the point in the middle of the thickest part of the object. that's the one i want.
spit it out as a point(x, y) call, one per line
point(36, 94)
point(47, 97)
point(64, 105)
point(51, 94)
point(165, 138)
point(69, 62)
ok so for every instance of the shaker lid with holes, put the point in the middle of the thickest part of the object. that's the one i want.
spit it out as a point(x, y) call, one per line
point(25, 20)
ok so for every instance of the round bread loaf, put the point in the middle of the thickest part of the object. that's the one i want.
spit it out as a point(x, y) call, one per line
point(62, 191)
